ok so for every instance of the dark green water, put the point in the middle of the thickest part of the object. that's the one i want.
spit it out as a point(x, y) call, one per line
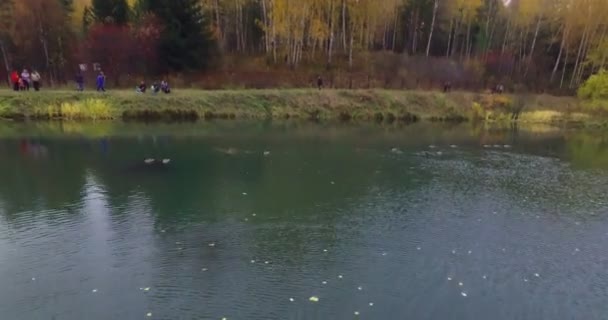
point(88, 232)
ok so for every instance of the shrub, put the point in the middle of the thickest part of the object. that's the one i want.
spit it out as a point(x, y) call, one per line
point(595, 88)
point(94, 109)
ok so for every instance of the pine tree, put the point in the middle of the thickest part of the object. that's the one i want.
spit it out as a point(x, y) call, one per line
point(186, 42)
point(114, 11)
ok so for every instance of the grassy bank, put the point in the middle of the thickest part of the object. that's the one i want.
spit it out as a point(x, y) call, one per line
point(343, 105)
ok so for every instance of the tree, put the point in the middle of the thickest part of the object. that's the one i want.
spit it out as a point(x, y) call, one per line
point(6, 24)
point(186, 42)
point(113, 11)
point(113, 47)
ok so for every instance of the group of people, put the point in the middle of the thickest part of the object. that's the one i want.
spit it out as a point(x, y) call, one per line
point(155, 88)
point(25, 80)
point(100, 81)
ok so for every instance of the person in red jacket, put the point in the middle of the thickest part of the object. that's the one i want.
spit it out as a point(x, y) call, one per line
point(15, 80)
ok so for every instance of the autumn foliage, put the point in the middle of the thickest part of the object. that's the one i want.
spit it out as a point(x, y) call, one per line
point(544, 45)
point(123, 49)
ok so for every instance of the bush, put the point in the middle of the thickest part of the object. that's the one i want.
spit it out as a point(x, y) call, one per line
point(595, 88)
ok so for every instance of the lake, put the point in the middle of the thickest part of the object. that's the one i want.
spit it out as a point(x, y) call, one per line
point(255, 220)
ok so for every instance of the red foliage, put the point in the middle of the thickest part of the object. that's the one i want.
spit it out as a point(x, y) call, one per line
point(112, 46)
point(147, 35)
point(123, 50)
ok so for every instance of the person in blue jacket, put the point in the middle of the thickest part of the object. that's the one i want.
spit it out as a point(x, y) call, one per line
point(101, 82)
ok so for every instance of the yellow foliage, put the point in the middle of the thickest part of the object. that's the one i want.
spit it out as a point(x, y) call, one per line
point(93, 109)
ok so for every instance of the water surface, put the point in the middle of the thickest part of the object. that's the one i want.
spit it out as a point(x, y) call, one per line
point(421, 222)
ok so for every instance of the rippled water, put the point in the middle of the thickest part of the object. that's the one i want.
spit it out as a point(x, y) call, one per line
point(418, 222)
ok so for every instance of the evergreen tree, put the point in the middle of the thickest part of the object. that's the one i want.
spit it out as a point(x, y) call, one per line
point(114, 11)
point(185, 43)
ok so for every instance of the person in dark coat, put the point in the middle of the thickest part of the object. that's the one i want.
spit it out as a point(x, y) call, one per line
point(164, 87)
point(142, 87)
point(79, 81)
point(101, 82)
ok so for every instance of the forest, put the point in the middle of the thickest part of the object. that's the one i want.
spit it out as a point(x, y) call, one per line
point(541, 45)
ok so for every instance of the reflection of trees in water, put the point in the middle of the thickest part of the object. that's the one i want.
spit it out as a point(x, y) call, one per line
point(52, 182)
point(202, 186)
point(199, 179)
point(588, 150)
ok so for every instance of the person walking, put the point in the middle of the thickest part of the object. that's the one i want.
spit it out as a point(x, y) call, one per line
point(15, 80)
point(36, 80)
point(101, 82)
point(26, 78)
point(79, 81)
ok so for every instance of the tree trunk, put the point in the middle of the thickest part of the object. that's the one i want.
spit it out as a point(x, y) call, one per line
point(274, 39)
point(384, 35)
point(45, 48)
point(344, 45)
point(504, 45)
point(395, 32)
point(469, 44)
point(531, 53)
point(559, 56)
point(350, 50)
point(455, 36)
point(578, 58)
point(265, 19)
point(414, 31)
point(487, 29)
point(219, 24)
point(447, 53)
point(236, 26)
point(331, 34)
point(490, 40)
point(588, 42)
point(600, 45)
point(428, 44)
point(5, 58)
point(561, 83)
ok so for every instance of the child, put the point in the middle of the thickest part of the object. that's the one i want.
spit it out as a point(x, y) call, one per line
point(101, 82)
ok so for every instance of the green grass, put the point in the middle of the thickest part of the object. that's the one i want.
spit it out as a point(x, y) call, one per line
point(342, 105)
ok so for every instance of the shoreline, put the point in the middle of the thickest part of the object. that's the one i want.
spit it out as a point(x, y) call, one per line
point(377, 105)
